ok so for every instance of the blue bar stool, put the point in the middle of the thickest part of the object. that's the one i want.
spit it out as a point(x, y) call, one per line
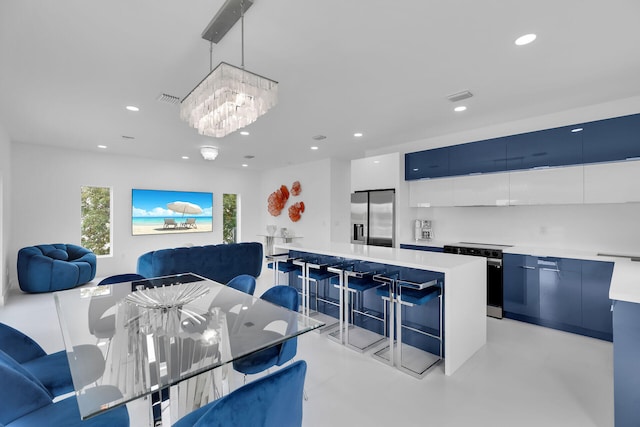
point(401, 294)
point(358, 279)
point(315, 272)
point(282, 263)
point(411, 294)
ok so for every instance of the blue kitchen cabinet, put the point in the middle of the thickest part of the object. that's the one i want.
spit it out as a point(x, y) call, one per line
point(551, 147)
point(521, 287)
point(478, 157)
point(611, 139)
point(422, 248)
point(626, 363)
point(560, 291)
point(596, 305)
point(426, 164)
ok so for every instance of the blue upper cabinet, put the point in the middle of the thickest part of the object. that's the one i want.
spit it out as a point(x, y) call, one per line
point(426, 164)
point(551, 147)
point(600, 141)
point(611, 139)
point(478, 157)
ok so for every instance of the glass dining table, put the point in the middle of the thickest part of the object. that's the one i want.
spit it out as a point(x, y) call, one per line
point(165, 333)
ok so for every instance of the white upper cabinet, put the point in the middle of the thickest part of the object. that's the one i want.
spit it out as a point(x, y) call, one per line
point(431, 192)
point(559, 186)
point(612, 182)
point(481, 190)
point(375, 173)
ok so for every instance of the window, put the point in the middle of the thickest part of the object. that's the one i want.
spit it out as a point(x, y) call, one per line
point(96, 219)
point(229, 218)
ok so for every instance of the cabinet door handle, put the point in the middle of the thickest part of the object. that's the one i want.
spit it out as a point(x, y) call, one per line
point(550, 269)
point(526, 267)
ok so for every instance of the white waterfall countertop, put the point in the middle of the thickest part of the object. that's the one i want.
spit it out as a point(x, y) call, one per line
point(465, 290)
point(432, 261)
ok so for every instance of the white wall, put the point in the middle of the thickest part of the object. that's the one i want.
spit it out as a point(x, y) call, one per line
point(325, 203)
point(5, 180)
point(340, 201)
point(46, 199)
point(600, 228)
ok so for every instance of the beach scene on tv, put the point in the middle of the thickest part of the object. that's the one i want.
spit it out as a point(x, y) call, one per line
point(162, 212)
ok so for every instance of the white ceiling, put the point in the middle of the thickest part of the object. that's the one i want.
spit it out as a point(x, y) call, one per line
point(69, 67)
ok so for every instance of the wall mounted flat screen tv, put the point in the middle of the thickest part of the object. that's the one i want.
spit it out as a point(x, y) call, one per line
point(163, 212)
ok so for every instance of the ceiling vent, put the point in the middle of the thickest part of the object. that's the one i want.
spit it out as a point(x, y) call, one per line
point(319, 137)
point(168, 99)
point(459, 96)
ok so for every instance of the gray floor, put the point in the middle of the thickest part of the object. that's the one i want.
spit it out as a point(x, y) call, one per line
point(525, 376)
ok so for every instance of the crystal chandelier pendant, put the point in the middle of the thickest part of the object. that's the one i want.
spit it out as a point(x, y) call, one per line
point(228, 99)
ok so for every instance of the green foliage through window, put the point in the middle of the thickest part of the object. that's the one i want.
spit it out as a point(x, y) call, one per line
point(229, 217)
point(96, 219)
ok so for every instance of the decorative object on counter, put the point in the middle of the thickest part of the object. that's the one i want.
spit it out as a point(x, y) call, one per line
point(271, 230)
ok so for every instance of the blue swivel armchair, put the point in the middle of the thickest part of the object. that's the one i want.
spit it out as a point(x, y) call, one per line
point(49, 268)
point(52, 370)
point(26, 402)
point(274, 400)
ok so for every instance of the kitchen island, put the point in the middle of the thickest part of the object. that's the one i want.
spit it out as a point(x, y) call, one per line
point(465, 290)
point(625, 293)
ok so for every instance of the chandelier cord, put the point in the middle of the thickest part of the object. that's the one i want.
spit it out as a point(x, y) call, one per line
point(242, 31)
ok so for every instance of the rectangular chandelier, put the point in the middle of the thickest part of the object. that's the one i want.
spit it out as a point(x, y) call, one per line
point(228, 99)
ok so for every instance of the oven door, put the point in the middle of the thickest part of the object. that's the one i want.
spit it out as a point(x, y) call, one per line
point(494, 287)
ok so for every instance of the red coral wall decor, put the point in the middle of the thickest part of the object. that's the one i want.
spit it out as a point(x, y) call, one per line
point(277, 201)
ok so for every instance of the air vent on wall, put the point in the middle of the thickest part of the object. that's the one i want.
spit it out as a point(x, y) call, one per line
point(168, 99)
point(459, 96)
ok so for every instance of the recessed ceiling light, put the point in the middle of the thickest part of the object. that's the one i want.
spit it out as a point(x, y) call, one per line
point(376, 161)
point(576, 130)
point(357, 134)
point(244, 165)
point(244, 133)
point(526, 39)
point(459, 108)
point(314, 148)
point(185, 157)
point(102, 146)
point(132, 108)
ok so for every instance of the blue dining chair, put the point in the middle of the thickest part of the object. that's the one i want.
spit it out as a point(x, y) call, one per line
point(244, 283)
point(52, 370)
point(26, 402)
point(287, 297)
point(274, 400)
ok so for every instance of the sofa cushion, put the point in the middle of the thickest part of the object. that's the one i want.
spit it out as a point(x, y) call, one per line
point(58, 254)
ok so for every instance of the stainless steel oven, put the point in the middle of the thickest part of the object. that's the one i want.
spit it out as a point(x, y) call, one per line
point(493, 254)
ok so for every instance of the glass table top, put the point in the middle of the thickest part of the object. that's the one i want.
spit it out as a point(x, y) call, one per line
point(155, 333)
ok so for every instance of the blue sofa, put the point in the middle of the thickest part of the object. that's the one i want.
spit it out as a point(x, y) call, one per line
point(48, 268)
point(220, 263)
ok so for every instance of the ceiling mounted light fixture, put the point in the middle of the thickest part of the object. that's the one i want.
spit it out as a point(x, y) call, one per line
point(209, 153)
point(229, 98)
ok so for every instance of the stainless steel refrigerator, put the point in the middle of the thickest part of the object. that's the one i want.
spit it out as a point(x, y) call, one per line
point(373, 217)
